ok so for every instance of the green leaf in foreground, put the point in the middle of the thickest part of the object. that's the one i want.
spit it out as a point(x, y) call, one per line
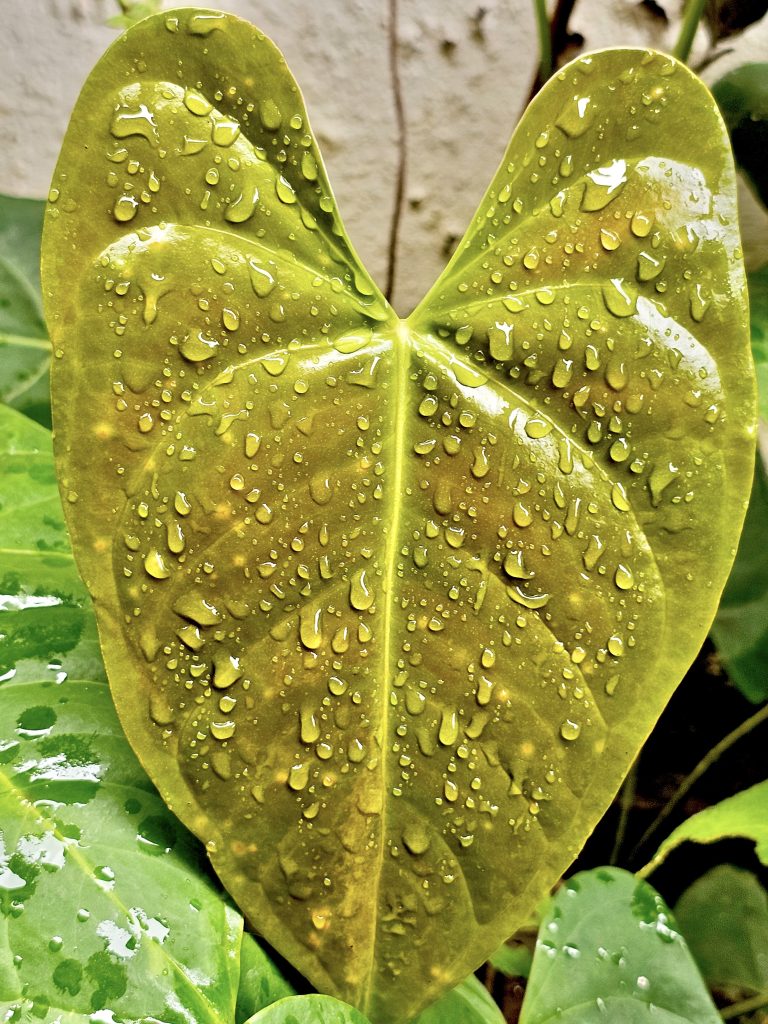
point(310, 1009)
point(740, 629)
point(743, 815)
point(468, 1003)
point(387, 603)
point(724, 917)
point(105, 900)
point(24, 346)
point(609, 950)
point(742, 96)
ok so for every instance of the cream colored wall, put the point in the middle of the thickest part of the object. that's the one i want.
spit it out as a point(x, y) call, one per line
point(465, 68)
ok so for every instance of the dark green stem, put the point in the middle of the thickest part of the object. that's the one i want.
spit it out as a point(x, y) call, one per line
point(627, 799)
point(402, 158)
point(693, 12)
point(704, 765)
point(545, 40)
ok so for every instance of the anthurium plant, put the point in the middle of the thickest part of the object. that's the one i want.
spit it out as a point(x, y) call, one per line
point(387, 606)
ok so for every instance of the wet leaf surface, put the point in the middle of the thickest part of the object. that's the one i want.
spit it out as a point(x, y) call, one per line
point(106, 906)
point(386, 603)
point(46, 612)
point(24, 348)
point(609, 950)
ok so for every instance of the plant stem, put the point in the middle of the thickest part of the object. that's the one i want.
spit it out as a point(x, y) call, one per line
point(628, 791)
point(545, 40)
point(693, 12)
point(397, 94)
point(558, 42)
point(745, 1006)
point(704, 764)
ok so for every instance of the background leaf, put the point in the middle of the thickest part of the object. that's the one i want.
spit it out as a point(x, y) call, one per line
point(744, 814)
point(758, 311)
point(742, 95)
point(24, 346)
point(740, 629)
point(46, 612)
point(306, 502)
point(261, 982)
point(309, 1009)
point(468, 1003)
point(512, 960)
point(609, 949)
point(724, 917)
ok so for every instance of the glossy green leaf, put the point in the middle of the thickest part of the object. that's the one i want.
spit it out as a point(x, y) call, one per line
point(758, 313)
point(745, 814)
point(105, 902)
point(387, 603)
point(609, 950)
point(740, 629)
point(24, 347)
point(512, 960)
point(311, 1009)
point(724, 918)
point(261, 983)
point(742, 95)
point(47, 617)
point(468, 1003)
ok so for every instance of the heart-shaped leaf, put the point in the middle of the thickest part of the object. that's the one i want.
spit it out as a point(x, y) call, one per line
point(388, 606)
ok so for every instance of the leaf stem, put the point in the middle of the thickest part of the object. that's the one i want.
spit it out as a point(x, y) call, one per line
point(558, 42)
point(397, 95)
point(693, 12)
point(545, 39)
point(628, 792)
point(693, 777)
point(745, 1006)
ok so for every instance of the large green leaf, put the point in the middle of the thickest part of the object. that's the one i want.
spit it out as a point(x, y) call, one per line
point(740, 629)
point(609, 950)
point(105, 903)
point(385, 603)
point(724, 917)
point(745, 815)
point(24, 348)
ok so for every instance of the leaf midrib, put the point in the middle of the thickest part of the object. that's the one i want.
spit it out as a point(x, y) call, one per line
point(401, 347)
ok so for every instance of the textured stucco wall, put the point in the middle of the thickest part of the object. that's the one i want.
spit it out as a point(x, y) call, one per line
point(465, 68)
